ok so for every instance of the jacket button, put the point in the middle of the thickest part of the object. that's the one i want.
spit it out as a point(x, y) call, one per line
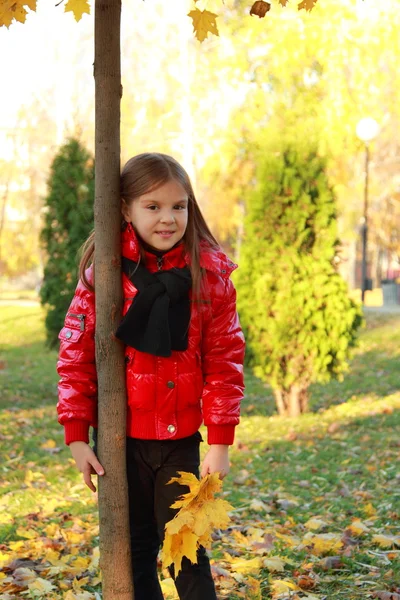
point(171, 385)
point(171, 428)
point(68, 335)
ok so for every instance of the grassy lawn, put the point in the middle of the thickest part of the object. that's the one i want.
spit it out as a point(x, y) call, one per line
point(316, 500)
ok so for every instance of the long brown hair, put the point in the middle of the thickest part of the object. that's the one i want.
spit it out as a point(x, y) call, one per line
point(144, 173)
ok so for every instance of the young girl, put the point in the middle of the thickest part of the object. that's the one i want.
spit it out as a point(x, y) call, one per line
point(184, 352)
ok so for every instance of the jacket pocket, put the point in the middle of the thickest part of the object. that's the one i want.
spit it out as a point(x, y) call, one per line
point(75, 319)
point(70, 334)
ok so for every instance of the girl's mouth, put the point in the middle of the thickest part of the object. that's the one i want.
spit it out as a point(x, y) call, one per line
point(165, 234)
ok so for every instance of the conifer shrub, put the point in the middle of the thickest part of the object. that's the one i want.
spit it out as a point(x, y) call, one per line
point(299, 321)
point(68, 221)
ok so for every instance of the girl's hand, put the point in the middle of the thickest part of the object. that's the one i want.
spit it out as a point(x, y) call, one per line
point(87, 462)
point(216, 459)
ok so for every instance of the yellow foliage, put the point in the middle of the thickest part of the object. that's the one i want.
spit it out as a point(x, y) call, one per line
point(358, 527)
point(48, 444)
point(282, 586)
point(243, 565)
point(168, 588)
point(323, 543)
point(369, 510)
point(274, 564)
point(314, 524)
point(204, 22)
point(29, 534)
point(386, 541)
point(11, 10)
point(307, 4)
point(78, 7)
point(199, 513)
point(40, 587)
point(253, 589)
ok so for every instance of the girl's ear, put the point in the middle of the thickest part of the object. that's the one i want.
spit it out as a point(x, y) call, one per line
point(125, 211)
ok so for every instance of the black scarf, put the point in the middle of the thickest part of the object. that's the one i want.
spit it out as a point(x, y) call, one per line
point(159, 316)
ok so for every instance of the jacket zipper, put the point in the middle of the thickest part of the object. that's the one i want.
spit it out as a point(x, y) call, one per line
point(159, 263)
point(80, 317)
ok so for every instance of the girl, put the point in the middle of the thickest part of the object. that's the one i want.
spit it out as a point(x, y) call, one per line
point(184, 352)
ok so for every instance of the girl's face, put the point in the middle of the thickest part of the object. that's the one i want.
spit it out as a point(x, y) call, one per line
point(160, 217)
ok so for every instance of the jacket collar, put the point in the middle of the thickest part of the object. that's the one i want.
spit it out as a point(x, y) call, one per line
point(211, 259)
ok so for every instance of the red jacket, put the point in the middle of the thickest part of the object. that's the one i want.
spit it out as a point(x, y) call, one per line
point(168, 398)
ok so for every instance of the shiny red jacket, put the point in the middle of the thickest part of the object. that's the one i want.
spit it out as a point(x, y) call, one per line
point(168, 398)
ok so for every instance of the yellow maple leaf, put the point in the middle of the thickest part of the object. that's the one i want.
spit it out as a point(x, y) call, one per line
point(282, 586)
point(386, 541)
point(253, 589)
point(78, 7)
point(204, 22)
point(357, 527)
point(243, 565)
point(48, 444)
point(11, 10)
point(41, 587)
point(274, 564)
point(369, 510)
point(323, 543)
point(29, 534)
point(199, 513)
point(307, 5)
point(168, 588)
point(314, 524)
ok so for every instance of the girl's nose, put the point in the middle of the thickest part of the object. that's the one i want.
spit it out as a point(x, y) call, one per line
point(167, 218)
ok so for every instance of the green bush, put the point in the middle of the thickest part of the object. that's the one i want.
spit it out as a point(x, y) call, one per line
point(298, 318)
point(68, 222)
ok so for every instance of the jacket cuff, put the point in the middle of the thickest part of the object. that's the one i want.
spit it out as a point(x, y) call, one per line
point(76, 431)
point(221, 434)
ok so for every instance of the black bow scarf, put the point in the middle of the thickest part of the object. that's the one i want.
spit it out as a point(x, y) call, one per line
point(158, 319)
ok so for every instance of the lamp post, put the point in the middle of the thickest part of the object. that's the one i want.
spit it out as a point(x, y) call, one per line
point(367, 129)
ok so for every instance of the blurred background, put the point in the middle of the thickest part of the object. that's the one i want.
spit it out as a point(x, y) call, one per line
point(331, 75)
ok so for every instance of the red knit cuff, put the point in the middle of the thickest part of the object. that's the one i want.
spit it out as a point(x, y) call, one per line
point(76, 431)
point(221, 434)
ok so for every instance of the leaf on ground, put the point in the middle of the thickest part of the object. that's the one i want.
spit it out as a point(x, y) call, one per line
point(386, 541)
point(357, 527)
point(323, 543)
point(315, 524)
point(275, 564)
point(253, 589)
point(282, 586)
point(243, 565)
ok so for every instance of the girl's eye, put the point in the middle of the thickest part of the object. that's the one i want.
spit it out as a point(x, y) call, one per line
point(180, 207)
point(152, 207)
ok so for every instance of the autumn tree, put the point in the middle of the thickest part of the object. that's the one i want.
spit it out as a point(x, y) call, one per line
point(300, 322)
point(68, 221)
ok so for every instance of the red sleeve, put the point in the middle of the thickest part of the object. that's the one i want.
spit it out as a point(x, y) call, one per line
point(223, 356)
point(77, 388)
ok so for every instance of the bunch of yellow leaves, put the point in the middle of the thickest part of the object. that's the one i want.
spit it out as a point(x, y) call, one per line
point(199, 514)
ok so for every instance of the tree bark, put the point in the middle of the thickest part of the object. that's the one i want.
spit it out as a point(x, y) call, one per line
point(292, 402)
point(113, 492)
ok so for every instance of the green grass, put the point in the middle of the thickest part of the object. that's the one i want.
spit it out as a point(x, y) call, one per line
point(339, 462)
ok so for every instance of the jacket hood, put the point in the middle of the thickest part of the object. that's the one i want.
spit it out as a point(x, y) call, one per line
point(212, 259)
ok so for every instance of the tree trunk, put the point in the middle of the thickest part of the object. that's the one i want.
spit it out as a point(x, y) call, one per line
point(292, 402)
point(113, 491)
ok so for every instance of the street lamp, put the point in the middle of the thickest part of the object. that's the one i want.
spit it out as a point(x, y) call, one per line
point(367, 129)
